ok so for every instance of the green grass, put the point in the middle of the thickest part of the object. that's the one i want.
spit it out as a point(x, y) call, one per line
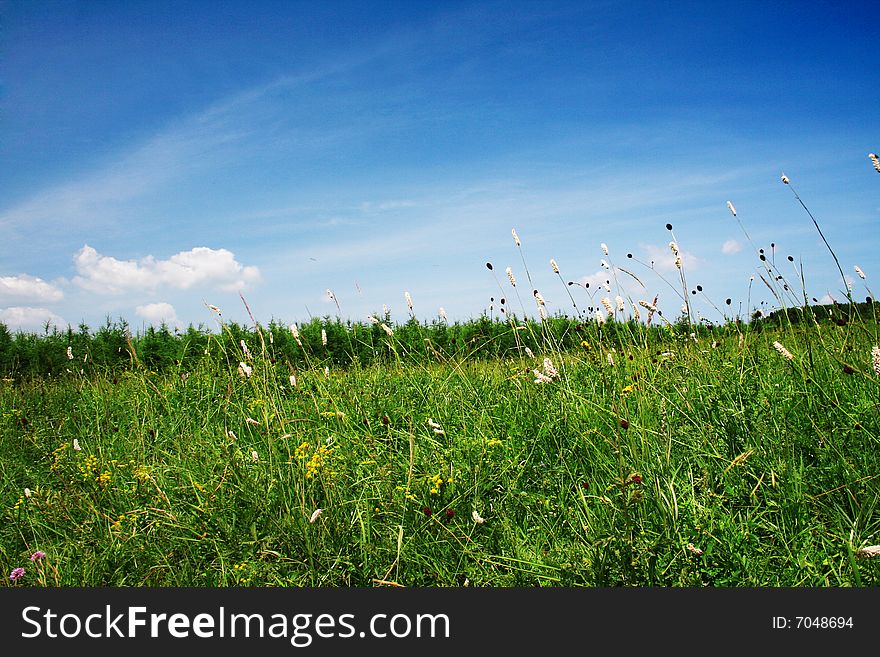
point(602, 477)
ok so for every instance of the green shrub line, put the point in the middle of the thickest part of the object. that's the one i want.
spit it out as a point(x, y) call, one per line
point(476, 454)
point(113, 347)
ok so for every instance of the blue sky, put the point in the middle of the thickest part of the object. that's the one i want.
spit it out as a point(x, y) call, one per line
point(158, 156)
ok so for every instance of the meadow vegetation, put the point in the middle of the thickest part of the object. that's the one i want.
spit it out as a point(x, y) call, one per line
point(612, 447)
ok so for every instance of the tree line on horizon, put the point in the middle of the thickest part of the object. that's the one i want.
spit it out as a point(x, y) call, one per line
point(330, 341)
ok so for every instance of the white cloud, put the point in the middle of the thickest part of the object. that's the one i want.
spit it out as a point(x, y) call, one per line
point(22, 318)
point(28, 288)
point(597, 281)
point(620, 283)
point(730, 247)
point(664, 260)
point(197, 267)
point(156, 313)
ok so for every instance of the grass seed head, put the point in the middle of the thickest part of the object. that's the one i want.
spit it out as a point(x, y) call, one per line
point(554, 266)
point(875, 161)
point(860, 272)
point(515, 236)
point(782, 350)
point(875, 356)
point(540, 377)
point(869, 552)
point(731, 208)
point(511, 277)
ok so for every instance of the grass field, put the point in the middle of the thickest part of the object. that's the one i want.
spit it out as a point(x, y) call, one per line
point(728, 457)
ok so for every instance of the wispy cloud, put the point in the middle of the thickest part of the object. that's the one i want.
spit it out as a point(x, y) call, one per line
point(188, 144)
point(730, 247)
point(385, 206)
point(101, 196)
